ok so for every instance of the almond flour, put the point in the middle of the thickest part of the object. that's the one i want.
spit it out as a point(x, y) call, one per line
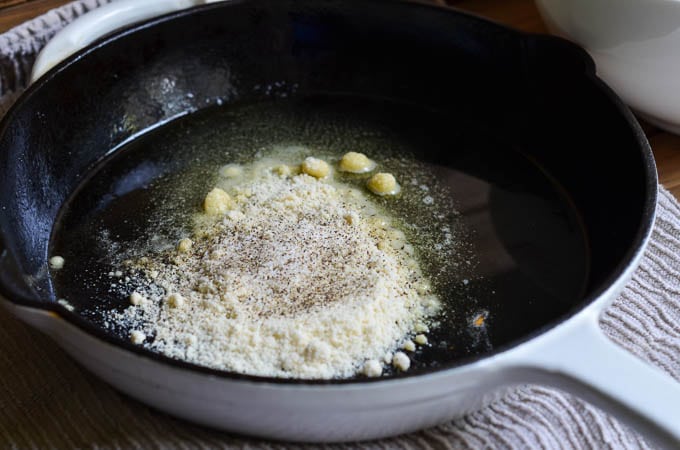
point(287, 275)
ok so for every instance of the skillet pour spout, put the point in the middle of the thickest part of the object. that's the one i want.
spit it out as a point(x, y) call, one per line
point(503, 96)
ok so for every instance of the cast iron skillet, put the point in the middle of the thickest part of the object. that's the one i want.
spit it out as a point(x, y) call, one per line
point(503, 93)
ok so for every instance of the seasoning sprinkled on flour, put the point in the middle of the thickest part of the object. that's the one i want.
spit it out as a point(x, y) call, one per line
point(288, 273)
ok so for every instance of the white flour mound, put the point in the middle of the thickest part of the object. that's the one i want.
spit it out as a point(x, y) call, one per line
point(299, 278)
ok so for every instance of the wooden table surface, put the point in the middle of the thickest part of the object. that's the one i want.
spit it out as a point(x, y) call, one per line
point(521, 14)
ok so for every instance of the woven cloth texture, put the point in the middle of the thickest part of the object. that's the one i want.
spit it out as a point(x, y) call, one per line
point(47, 401)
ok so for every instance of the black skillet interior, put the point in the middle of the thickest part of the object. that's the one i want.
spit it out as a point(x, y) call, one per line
point(517, 126)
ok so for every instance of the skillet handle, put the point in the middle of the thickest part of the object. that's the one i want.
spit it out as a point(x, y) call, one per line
point(577, 357)
point(100, 22)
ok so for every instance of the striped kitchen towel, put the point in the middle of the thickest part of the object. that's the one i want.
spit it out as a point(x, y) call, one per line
point(47, 401)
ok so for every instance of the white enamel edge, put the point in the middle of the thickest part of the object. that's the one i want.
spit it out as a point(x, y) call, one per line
point(576, 356)
point(580, 359)
point(298, 412)
point(99, 22)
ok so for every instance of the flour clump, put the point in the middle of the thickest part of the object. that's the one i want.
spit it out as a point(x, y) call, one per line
point(286, 274)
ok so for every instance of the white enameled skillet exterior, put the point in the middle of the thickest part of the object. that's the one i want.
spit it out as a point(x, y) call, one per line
point(573, 355)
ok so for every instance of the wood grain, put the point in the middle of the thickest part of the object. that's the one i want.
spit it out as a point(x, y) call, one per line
point(15, 12)
point(521, 14)
point(5, 3)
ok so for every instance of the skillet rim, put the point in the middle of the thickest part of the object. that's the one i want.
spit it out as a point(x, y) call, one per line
point(637, 246)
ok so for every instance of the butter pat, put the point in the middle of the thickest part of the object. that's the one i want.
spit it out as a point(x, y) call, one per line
point(354, 162)
point(315, 167)
point(383, 184)
point(217, 202)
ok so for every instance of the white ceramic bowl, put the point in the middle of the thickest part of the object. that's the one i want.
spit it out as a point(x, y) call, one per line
point(636, 46)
